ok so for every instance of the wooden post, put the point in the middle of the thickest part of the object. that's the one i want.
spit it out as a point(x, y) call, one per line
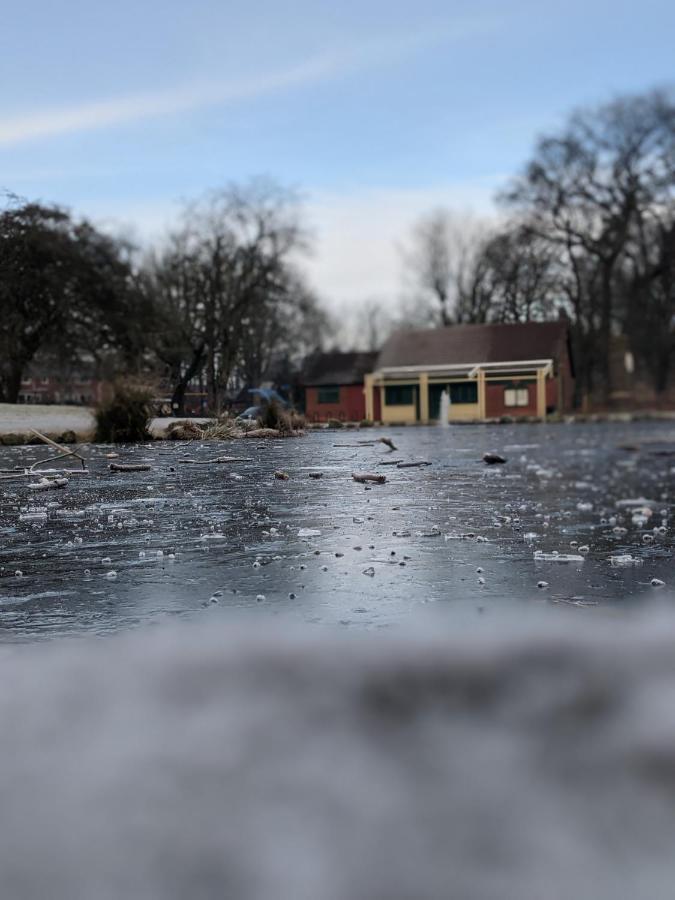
point(369, 396)
point(424, 397)
point(541, 394)
point(482, 398)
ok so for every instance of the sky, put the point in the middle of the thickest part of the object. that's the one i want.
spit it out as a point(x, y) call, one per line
point(377, 111)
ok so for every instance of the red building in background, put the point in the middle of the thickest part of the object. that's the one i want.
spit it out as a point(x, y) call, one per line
point(333, 384)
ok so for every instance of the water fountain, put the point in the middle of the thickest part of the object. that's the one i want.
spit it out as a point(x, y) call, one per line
point(444, 414)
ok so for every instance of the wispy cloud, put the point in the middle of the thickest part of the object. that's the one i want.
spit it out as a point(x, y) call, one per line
point(152, 104)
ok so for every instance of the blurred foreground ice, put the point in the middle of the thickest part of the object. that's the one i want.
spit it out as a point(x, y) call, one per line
point(501, 761)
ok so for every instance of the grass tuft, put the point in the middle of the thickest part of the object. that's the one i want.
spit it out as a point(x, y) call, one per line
point(124, 418)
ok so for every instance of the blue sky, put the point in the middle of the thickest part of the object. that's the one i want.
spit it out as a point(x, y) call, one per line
point(376, 110)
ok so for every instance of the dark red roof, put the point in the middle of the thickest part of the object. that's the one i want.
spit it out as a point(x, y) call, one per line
point(337, 368)
point(459, 344)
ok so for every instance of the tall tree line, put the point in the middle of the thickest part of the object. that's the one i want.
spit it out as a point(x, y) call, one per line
point(588, 228)
point(223, 299)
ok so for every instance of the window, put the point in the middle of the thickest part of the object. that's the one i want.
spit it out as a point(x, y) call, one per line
point(329, 394)
point(516, 397)
point(464, 392)
point(399, 395)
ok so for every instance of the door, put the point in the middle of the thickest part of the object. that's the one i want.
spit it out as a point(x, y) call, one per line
point(435, 391)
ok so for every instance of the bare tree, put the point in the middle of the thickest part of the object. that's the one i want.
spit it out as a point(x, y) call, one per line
point(586, 190)
point(439, 263)
point(648, 297)
point(229, 293)
point(372, 325)
point(64, 285)
point(518, 272)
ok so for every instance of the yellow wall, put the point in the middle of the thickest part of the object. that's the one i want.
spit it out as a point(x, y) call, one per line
point(368, 392)
point(407, 414)
point(464, 412)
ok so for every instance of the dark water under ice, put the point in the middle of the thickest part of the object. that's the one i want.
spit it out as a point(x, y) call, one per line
point(193, 537)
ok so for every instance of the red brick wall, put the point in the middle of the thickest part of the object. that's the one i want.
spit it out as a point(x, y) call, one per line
point(494, 400)
point(351, 408)
point(495, 406)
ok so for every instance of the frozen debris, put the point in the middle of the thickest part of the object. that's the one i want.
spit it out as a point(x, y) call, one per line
point(370, 571)
point(555, 556)
point(388, 442)
point(363, 477)
point(402, 534)
point(493, 459)
point(63, 453)
point(316, 475)
point(412, 465)
point(624, 559)
point(433, 532)
point(111, 575)
point(308, 532)
point(262, 433)
point(575, 601)
point(542, 585)
point(112, 456)
point(282, 476)
point(130, 467)
point(657, 582)
point(585, 507)
point(48, 483)
point(37, 516)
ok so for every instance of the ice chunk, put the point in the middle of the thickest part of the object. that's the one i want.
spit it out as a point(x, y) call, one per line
point(625, 559)
point(554, 556)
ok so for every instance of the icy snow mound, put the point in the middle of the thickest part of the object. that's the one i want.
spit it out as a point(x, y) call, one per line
point(212, 762)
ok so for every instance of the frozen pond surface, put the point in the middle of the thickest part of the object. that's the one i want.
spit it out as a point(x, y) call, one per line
point(192, 537)
point(234, 752)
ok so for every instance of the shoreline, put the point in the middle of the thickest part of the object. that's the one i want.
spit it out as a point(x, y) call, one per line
point(75, 424)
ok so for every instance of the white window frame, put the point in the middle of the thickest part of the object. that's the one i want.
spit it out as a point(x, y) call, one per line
point(516, 396)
